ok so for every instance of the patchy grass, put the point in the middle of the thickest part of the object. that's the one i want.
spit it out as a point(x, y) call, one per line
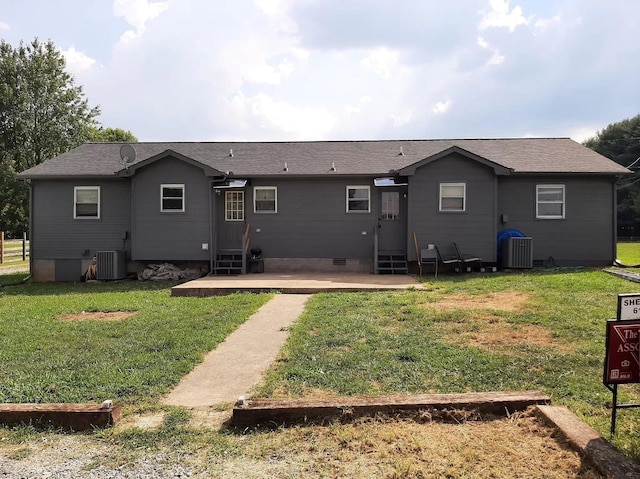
point(135, 360)
point(542, 330)
point(519, 446)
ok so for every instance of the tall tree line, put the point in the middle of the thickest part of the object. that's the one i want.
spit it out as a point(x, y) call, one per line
point(620, 142)
point(42, 113)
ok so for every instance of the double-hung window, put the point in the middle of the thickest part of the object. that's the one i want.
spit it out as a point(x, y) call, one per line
point(172, 198)
point(234, 206)
point(86, 202)
point(453, 197)
point(358, 199)
point(550, 202)
point(265, 199)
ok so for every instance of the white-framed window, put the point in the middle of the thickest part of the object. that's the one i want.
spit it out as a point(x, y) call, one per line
point(550, 201)
point(86, 202)
point(172, 198)
point(234, 205)
point(265, 199)
point(358, 199)
point(390, 208)
point(453, 197)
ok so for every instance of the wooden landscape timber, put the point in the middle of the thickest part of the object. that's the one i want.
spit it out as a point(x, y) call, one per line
point(75, 417)
point(610, 462)
point(270, 412)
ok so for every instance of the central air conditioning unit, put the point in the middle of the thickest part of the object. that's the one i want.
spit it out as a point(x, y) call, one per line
point(517, 252)
point(111, 265)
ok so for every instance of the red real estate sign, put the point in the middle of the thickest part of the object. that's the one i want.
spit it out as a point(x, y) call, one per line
point(622, 362)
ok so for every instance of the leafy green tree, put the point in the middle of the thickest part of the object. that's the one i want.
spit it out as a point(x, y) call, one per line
point(101, 134)
point(620, 142)
point(42, 113)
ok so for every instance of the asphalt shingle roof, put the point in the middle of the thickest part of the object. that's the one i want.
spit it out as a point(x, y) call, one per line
point(521, 155)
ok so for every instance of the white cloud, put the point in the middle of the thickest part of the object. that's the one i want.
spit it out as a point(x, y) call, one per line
point(4, 26)
point(300, 123)
point(77, 61)
point(384, 63)
point(496, 57)
point(441, 107)
point(500, 16)
point(137, 13)
point(583, 133)
point(243, 70)
point(264, 73)
point(540, 26)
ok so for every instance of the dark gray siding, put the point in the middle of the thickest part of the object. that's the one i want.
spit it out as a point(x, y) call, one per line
point(312, 221)
point(474, 229)
point(586, 235)
point(161, 236)
point(57, 235)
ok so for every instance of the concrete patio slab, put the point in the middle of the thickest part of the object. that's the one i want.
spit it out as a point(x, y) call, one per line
point(236, 366)
point(294, 283)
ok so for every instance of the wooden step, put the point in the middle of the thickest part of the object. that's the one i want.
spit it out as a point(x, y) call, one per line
point(390, 263)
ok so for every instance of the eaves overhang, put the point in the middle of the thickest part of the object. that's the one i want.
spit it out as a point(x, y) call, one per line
point(498, 169)
point(572, 173)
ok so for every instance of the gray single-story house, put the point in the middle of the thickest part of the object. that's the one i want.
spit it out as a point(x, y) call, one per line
point(325, 205)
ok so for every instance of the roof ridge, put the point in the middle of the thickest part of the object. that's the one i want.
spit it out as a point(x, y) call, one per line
point(283, 142)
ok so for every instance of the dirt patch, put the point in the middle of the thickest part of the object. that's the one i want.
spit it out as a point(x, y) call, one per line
point(143, 421)
point(492, 332)
point(485, 330)
point(97, 316)
point(503, 301)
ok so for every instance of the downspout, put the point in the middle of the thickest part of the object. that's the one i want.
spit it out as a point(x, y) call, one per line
point(212, 245)
point(614, 246)
point(24, 280)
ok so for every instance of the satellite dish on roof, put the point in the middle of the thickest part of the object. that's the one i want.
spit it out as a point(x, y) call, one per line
point(127, 154)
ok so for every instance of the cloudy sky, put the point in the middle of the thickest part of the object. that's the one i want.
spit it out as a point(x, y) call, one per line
point(207, 70)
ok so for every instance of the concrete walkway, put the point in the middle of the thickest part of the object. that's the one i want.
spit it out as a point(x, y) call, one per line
point(236, 366)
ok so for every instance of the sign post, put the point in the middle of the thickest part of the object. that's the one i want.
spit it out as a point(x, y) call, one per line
point(622, 358)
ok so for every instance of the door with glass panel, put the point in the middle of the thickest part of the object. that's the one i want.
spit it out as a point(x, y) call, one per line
point(392, 221)
point(231, 213)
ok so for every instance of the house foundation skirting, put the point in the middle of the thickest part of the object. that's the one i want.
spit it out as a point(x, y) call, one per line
point(324, 265)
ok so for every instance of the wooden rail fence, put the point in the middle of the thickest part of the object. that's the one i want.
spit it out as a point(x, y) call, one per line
point(13, 250)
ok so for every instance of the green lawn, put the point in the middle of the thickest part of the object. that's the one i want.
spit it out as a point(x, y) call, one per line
point(541, 330)
point(133, 361)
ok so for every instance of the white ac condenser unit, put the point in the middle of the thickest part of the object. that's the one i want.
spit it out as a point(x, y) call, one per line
point(517, 253)
point(111, 265)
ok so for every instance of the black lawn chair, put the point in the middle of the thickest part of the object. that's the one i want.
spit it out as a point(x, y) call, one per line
point(466, 259)
point(449, 259)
